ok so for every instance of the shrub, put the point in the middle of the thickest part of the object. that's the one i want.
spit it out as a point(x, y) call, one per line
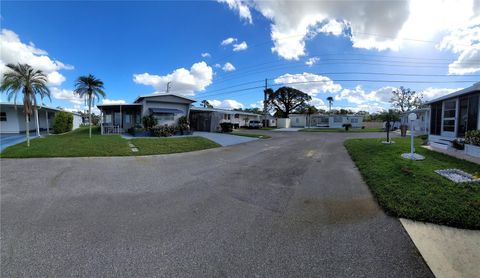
point(347, 126)
point(183, 124)
point(226, 127)
point(472, 137)
point(149, 122)
point(458, 144)
point(63, 122)
point(135, 130)
point(163, 131)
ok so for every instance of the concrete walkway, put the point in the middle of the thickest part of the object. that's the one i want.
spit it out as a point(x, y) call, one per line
point(224, 139)
point(455, 153)
point(7, 140)
point(449, 252)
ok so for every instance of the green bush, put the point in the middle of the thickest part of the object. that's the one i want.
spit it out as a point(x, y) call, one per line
point(183, 124)
point(347, 126)
point(63, 122)
point(149, 122)
point(163, 131)
point(226, 127)
point(472, 137)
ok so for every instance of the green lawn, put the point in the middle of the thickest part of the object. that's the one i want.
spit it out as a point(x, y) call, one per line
point(411, 189)
point(322, 129)
point(78, 144)
point(256, 135)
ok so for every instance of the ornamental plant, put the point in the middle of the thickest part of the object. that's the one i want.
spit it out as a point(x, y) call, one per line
point(472, 137)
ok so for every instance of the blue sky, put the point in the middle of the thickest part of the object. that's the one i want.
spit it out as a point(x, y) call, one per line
point(137, 47)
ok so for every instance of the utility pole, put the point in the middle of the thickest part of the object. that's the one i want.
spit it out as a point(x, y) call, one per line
point(265, 120)
point(168, 86)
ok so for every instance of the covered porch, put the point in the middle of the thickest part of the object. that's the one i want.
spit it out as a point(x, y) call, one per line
point(118, 118)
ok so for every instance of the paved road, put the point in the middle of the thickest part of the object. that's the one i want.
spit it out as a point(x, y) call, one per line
point(290, 206)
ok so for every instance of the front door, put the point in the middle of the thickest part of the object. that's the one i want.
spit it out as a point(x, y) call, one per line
point(449, 120)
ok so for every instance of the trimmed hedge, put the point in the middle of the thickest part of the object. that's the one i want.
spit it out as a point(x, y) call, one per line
point(63, 122)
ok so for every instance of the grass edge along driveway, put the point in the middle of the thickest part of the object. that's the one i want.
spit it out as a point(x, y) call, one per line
point(410, 189)
point(77, 144)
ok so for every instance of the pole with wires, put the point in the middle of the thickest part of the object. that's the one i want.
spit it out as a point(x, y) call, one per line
point(265, 119)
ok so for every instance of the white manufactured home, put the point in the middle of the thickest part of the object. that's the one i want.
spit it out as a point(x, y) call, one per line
point(327, 121)
point(209, 119)
point(453, 115)
point(422, 125)
point(12, 118)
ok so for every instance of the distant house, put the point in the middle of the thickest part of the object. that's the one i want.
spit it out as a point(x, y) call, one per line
point(269, 121)
point(12, 118)
point(454, 114)
point(209, 119)
point(327, 121)
point(166, 108)
point(422, 124)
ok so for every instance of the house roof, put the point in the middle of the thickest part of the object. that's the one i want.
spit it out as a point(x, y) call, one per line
point(416, 111)
point(473, 88)
point(41, 106)
point(206, 109)
point(119, 104)
point(163, 94)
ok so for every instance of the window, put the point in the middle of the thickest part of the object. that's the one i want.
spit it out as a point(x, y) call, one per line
point(337, 119)
point(354, 120)
point(3, 116)
point(164, 116)
point(436, 118)
point(449, 110)
point(108, 118)
point(237, 116)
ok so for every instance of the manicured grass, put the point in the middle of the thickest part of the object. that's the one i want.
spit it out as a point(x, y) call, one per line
point(256, 135)
point(78, 144)
point(322, 129)
point(147, 146)
point(411, 189)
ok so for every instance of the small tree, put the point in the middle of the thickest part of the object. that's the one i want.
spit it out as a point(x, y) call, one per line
point(405, 99)
point(149, 122)
point(90, 88)
point(206, 104)
point(285, 100)
point(63, 122)
point(390, 117)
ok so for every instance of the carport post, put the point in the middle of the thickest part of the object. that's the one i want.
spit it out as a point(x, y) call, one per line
point(46, 119)
point(36, 121)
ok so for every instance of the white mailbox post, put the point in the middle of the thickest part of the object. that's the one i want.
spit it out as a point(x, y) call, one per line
point(412, 117)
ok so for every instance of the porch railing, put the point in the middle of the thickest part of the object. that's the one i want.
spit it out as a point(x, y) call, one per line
point(111, 129)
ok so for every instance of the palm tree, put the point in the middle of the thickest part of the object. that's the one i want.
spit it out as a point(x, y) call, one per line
point(90, 88)
point(206, 104)
point(32, 82)
point(330, 101)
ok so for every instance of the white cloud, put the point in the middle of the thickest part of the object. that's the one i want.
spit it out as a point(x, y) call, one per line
point(433, 93)
point(113, 101)
point(257, 104)
point(240, 46)
point(228, 67)
point(206, 55)
point(183, 81)
point(228, 41)
point(359, 96)
point(14, 51)
point(464, 41)
point(309, 83)
point(312, 61)
point(217, 65)
point(369, 24)
point(241, 7)
point(333, 27)
point(64, 94)
point(225, 104)
point(318, 103)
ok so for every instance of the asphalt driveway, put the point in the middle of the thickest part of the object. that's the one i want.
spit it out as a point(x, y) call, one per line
point(290, 206)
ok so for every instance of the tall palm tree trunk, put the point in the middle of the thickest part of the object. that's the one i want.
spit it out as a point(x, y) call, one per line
point(90, 115)
point(27, 129)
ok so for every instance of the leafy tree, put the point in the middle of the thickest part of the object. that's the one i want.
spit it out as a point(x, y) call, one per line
point(390, 117)
point(406, 99)
point(330, 101)
point(254, 110)
point(286, 99)
point(63, 122)
point(30, 82)
point(206, 104)
point(90, 88)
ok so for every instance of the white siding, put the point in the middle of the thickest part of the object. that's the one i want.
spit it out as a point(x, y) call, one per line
point(77, 121)
point(11, 125)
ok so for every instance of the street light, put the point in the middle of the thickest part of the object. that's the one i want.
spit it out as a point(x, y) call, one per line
point(412, 117)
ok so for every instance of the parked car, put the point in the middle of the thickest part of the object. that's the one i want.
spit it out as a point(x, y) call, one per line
point(254, 124)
